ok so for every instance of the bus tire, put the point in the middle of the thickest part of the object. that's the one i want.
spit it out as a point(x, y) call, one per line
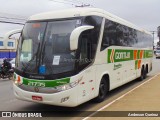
point(102, 91)
point(143, 74)
point(147, 69)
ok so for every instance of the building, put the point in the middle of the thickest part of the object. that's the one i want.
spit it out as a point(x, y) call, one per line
point(10, 50)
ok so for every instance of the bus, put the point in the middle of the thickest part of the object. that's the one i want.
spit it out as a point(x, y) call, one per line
point(68, 57)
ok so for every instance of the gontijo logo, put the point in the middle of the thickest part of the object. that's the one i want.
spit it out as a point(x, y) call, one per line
point(119, 55)
point(122, 55)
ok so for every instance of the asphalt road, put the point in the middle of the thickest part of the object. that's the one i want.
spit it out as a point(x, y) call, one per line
point(9, 103)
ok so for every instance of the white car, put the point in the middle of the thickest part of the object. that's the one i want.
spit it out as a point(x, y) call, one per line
point(157, 53)
point(13, 62)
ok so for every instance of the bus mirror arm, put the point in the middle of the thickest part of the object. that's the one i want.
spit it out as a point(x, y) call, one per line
point(10, 33)
point(75, 36)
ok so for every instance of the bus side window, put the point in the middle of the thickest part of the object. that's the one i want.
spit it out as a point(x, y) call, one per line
point(105, 40)
point(105, 43)
point(108, 35)
point(95, 33)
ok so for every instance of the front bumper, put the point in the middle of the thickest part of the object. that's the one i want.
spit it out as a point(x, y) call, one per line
point(52, 99)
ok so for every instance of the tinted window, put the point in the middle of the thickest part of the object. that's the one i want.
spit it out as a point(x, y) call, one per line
point(116, 34)
point(89, 40)
point(94, 34)
point(46, 44)
point(85, 50)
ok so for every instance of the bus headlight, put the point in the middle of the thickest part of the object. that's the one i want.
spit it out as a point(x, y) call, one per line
point(18, 81)
point(67, 86)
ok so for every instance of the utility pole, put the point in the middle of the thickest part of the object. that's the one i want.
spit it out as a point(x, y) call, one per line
point(153, 33)
point(158, 32)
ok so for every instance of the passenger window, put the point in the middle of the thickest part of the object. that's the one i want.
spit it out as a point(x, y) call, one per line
point(94, 34)
point(120, 35)
point(105, 43)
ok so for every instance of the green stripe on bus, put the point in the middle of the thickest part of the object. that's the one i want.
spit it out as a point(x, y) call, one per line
point(148, 53)
point(138, 55)
point(46, 83)
point(121, 55)
point(136, 64)
point(109, 55)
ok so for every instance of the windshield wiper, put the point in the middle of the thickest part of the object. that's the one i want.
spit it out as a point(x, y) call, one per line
point(35, 55)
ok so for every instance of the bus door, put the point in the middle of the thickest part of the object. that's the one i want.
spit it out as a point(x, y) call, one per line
point(85, 65)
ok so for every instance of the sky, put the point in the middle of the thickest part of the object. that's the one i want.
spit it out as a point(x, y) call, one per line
point(143, 13)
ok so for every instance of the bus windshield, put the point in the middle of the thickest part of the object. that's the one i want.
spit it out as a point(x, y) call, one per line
point(44, 47)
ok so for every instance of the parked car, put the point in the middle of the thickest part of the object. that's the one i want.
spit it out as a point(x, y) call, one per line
point(157, 53)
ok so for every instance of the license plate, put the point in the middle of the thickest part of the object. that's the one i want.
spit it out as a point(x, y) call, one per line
point(37, 98)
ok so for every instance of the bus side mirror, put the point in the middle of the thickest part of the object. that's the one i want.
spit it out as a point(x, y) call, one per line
point(75, 36)
point(10, 33)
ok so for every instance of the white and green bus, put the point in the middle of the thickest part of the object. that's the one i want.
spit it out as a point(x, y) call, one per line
point(68, 57)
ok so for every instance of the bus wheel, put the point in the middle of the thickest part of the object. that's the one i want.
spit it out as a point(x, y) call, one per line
point(143, 74)
point(102, 91)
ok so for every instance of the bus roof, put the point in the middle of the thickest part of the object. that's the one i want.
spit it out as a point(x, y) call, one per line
point(77, 12)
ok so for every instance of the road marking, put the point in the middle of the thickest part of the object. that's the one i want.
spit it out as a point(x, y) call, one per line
point(119, 98)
